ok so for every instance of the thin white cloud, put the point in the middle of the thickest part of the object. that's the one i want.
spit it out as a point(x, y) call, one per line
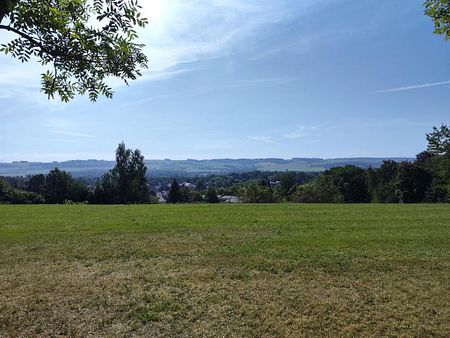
point(263, 139)
point(50, 157)
point(419, 86)
point(298, 45)
point(300, 132)
point(264, 82)
point(70, 133)
point(116, 83)
point(186, 31)
point(181, 32)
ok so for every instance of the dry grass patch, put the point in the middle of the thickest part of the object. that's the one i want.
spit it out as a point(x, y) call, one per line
point(303, 277)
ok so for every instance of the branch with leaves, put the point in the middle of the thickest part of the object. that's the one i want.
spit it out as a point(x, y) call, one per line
point(439, 11)
point(81, 55)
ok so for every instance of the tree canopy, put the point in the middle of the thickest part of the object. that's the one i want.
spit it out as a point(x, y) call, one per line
point(439, 140)
point(174, 193)
point(439, 11)
point(78, 52)
point(126, 182)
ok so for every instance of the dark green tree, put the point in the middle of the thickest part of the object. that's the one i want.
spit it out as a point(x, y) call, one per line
point(287, 181)
point(174, 193)
point(435, 161)
point(57, 187)
point(211, 196)
point(381, 181)
point(255, 193)
point(36, 183)
point(16, 196)
point(78, 54)
point(126, 182)
point(138, 179)
point(321, 190)
point(196, 197)
point(60, 186)
point(411, 183)
point(106, 190)
point(439, 139)
point(351, 183)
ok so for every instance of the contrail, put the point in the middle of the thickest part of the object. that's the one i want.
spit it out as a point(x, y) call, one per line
point(400, 89)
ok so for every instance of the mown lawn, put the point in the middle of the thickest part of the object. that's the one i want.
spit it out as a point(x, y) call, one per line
point(225, 270)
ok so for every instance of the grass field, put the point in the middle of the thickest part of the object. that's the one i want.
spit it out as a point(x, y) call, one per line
point(225, 270)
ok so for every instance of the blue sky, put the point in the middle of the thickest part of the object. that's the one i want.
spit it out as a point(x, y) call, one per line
point(241, 78)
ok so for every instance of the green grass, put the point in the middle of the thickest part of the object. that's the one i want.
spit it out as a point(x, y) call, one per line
point(225, 270)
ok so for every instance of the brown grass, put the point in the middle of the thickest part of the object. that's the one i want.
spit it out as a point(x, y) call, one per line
point(223, 281)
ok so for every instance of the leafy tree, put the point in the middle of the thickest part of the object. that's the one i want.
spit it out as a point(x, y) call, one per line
point(321, 190)
point(445, 169)
point(79, 192)
point(196, 197)
point(126, 182)
point(439, 11)
point(425, 160)
point(287, 181)
point(57, 187)
point(211, 196)
point(436, 161)
point(60, 186)
point(351, 183)
point(439, 139)
point(185, 195)
point(130, 171)
point(16, 196)
point(105, 190)
point(174, 193)
point(36, 183)
point(380, 182)
point(200, 184)
point(255, 193)
point(411, 183)
point(81, 54)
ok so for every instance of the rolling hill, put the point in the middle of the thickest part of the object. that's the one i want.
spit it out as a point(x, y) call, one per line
point(190, 167)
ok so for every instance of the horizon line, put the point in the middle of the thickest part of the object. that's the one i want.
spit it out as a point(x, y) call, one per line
point(220, 158)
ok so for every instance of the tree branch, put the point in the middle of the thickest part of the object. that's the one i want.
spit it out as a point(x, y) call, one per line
point(26, 37)
point(34, 42)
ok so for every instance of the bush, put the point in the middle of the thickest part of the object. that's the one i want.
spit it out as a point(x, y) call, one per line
point(254, 193)
point(15, 196)
point(321, 190)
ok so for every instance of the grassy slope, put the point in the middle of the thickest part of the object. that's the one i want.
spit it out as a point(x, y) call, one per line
point(225, 270)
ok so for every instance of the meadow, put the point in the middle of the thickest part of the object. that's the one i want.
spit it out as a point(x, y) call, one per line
point(279, 270)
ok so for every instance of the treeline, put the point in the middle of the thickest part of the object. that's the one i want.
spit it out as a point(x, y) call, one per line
point(125, 183)
point(427, 179)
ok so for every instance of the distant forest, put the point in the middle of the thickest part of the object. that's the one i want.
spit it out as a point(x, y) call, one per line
point(191, 168)
point(425, 179)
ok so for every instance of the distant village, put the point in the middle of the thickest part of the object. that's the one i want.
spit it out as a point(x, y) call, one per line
point(163, 193)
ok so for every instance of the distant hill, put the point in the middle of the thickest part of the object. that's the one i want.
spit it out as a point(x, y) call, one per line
point(95, 168)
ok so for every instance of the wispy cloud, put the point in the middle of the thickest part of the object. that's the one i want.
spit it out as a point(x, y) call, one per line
point(70, 133)
point(300, 132)
point(264, 82)
point(297, 45)
point(419, 86)
point(263, 139)
point(182, 32)
point(50, 157)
